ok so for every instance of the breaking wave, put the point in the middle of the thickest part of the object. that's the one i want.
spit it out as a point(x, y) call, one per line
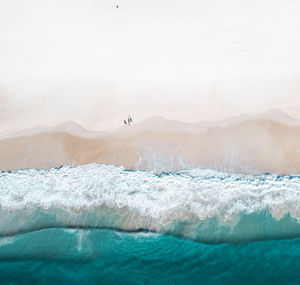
point(198, 204)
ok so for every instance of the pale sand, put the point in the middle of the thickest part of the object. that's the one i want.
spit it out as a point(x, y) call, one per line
point(251, 146)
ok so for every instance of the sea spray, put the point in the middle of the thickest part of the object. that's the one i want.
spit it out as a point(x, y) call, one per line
point(199, 204)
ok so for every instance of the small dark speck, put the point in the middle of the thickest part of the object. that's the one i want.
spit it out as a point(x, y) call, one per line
point(117, 6)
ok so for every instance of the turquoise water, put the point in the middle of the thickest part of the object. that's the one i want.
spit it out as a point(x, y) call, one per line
point(57, 256)
point(101, 224)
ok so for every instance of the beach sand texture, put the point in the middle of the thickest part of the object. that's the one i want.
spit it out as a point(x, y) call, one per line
point(243, 145)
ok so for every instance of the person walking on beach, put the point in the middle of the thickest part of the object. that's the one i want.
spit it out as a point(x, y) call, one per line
point(129, 120)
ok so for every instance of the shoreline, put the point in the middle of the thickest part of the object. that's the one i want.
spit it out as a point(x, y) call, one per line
point(248, 147)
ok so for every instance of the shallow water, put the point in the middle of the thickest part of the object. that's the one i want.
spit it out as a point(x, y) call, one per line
point(101, 224)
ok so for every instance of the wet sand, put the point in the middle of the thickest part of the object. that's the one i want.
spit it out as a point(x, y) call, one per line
point(250, 146)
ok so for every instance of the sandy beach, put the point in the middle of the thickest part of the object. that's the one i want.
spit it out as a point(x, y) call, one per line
point(252, 146)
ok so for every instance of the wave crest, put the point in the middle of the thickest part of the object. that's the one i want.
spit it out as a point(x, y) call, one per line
point(200, 204)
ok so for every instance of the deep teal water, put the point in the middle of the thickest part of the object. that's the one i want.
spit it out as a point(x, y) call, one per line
point(101, 224)
point(59, 256)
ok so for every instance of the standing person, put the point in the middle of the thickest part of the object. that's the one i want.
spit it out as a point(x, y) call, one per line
point(129, 119)
point(125, 123)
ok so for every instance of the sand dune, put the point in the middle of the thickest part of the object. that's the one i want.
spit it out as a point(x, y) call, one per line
point(251, 146)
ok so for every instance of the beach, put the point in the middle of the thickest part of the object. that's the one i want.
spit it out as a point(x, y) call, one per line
point(250, 146)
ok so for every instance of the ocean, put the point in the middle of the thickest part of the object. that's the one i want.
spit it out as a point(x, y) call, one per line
point(102, 224)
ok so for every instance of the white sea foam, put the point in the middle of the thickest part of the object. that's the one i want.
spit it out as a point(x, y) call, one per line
point(108, 196)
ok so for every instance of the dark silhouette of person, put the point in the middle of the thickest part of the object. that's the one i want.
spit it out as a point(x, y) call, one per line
point(125, 123)
point(117, 6)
